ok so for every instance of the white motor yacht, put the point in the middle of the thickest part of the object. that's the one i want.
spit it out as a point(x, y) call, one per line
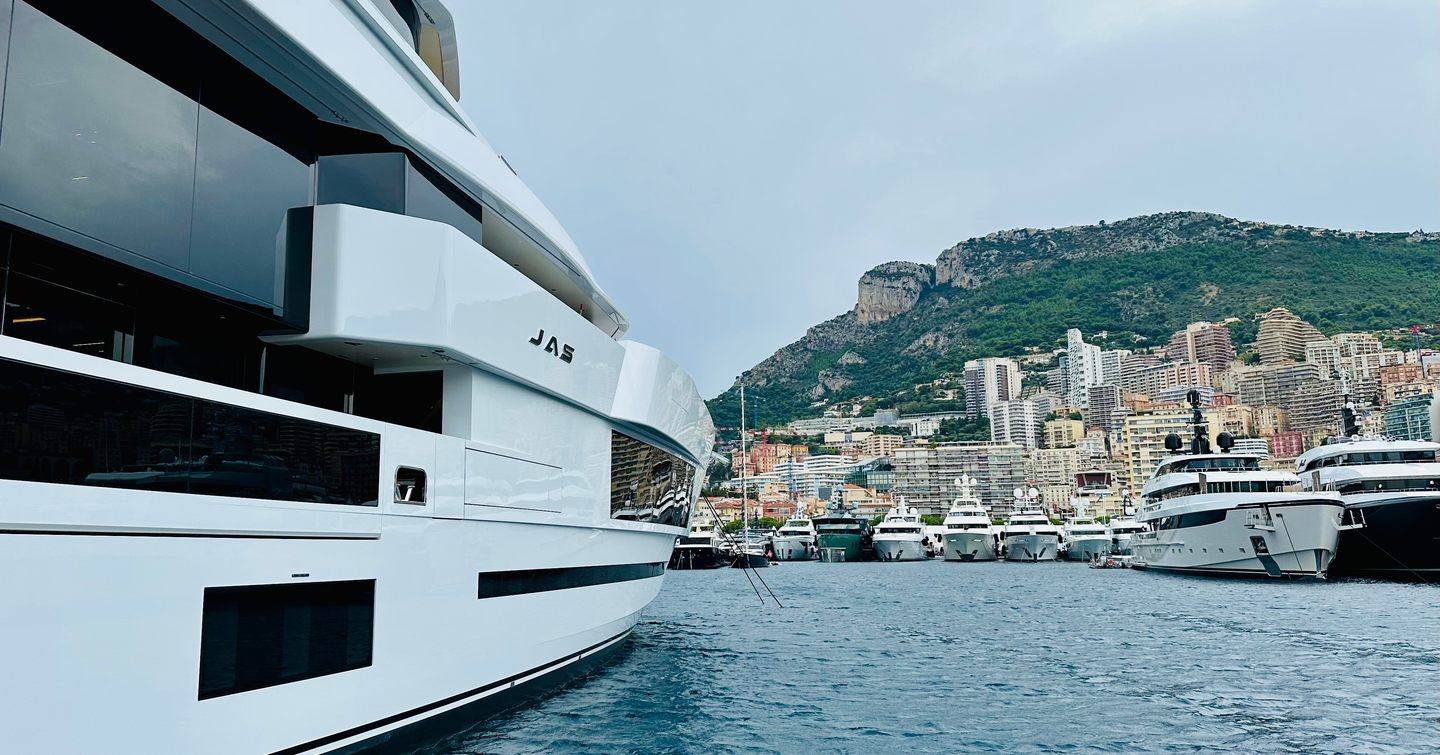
point(899, 537)
point(1122, 530)
point(970, 535)
point(1085, 538)
point(1030, 536)
point(796, 540)
point(1222, 514)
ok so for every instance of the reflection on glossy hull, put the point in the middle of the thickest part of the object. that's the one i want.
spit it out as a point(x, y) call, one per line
point(1086, 549)
point(1400, 540)
point(793, 549)
point(692, 557)
point(970, 546)
point(900, 550)
point(1297, 540)
point(848, 545)
point(1032, 547)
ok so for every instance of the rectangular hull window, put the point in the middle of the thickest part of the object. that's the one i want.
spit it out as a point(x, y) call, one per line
point(648, 484)
point(62, 427)
point(259, 636)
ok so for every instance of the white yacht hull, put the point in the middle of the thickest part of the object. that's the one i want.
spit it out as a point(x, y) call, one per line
point(1032, 547)
point(900, 550)
point(1295, 540)
point(1124, 545)
point(970, 546)
point(794, 548)
point(1086, 548)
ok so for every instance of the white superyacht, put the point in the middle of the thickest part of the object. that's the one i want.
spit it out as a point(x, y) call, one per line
point(970, 535)
point(898, 537)
point(1393, 488)
point(796, 539)
point(1086, 538)
point(1029, 535)
point(1222, 514)
point(318, 433)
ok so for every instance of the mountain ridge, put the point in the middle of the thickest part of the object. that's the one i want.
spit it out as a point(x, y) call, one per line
point(1150, 274)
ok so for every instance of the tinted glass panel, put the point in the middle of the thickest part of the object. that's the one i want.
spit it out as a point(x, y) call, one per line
point(648, 484)
point(259, 636)
point(423, 199)
point(94, 143)
point(376, 181)
point(243, 186)
point(412, 399)
point(62, 427)
point(56, 316)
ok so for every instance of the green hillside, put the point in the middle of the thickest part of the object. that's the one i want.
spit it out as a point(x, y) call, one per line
point(1140, 280)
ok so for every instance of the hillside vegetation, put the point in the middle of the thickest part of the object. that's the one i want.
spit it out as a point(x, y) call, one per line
point(1138, 280)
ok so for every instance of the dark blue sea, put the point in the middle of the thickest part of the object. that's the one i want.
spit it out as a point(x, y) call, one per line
point(946, 657)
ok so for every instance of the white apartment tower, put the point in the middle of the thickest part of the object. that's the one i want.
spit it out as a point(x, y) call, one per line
point(1084, 367)
point(989, 381)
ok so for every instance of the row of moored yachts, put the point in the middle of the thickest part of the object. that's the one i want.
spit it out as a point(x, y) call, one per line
point(1358, 506)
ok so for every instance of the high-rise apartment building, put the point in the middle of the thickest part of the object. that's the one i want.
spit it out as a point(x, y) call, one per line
point(988, 381)
point(1053, 470)
point(1083, 366)
point(1131, 368)
point(1143, 440)
point(1314, 407)
point(1203, 342)
point(1104, 408)
point(1410, 418)
point(1283, 335)
point(1112, 366)
point(926, 476)
point(1152, 380)
point(1019, 422)
point(1272, 384)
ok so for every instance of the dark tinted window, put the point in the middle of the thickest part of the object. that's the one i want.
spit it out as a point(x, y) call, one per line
point(61, 427)
point(95, 144)
point(412, 399)
point(243, 186)
point(376, 181)
point(648, 484)
point(56, 316)
point(259, 636)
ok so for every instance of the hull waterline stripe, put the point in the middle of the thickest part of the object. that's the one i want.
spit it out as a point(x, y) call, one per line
point(396, 718)
point(221, 535)
point(498, 584)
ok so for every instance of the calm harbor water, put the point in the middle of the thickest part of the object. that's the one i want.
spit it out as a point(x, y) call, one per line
point(944, 657)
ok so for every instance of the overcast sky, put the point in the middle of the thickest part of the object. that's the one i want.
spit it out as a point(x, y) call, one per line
point(729, 170)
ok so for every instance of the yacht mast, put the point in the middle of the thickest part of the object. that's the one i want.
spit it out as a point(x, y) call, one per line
point(744, 465)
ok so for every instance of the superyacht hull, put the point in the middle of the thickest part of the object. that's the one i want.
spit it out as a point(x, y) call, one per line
point(686, 557)
point(1400, 539)
point(969, 546)
point(1087, 548)
point(1123, 545)
point(841, 547)
point(1032, 547)
point(793, 549)
point(1291, 540)
point(900, 549)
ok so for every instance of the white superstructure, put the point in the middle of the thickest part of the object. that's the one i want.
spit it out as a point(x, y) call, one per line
point(796, 540)
point(1223, 514)
point(899, 537)
point(316, 427)
point(970, 535)
point(1085, 538)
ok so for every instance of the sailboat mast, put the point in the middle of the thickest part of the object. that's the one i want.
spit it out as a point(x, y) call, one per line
point(744, 465)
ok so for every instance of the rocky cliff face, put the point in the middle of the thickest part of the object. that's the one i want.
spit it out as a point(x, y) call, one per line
point(891, 289)
point(975, 262)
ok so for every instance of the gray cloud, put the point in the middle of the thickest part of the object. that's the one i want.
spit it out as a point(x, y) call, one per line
point(730, 170)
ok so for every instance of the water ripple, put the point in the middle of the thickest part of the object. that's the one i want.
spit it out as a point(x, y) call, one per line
point(1042, 658)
